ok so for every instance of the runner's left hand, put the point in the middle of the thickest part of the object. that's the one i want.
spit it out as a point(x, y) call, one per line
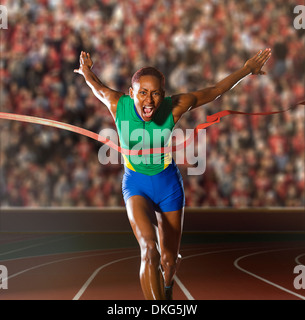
point(256, 63)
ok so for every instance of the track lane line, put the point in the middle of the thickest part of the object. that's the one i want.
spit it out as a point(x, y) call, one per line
point(179, 282)
point(35, 245)
point(261, 278)
point(183, 288)
point(94, 274)
point(66, 252)
point(297, 259)
point(61, 260)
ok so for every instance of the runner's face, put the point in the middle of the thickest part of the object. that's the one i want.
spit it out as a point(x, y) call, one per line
point(148, 95)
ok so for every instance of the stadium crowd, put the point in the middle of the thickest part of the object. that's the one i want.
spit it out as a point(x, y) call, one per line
point(250, 161)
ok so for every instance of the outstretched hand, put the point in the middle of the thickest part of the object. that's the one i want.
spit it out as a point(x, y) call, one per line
point(256, 63)
point(84, 62)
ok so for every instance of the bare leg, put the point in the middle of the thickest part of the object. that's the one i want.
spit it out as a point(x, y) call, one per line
point(170, 226)
point(150, 272)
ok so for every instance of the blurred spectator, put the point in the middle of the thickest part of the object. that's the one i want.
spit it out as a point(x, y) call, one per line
point(251, 161)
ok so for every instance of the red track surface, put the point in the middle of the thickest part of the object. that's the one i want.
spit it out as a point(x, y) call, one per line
point(214, 271)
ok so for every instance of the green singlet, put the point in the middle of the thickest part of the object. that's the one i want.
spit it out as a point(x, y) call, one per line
point(136, 134)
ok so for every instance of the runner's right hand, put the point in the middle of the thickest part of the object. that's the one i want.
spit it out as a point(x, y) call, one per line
point(85, 61)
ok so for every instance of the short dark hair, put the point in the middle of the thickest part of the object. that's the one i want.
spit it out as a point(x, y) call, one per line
point(148, 71)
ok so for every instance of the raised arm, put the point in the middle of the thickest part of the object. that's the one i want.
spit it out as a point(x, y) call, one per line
point(189, 101)
point(106, 95)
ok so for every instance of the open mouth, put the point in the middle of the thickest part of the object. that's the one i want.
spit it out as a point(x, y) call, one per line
point(148, 111)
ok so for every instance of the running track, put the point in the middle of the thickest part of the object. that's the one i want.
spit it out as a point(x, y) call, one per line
point(106, 266)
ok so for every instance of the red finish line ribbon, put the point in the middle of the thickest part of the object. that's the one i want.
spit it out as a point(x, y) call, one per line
point(212, 119)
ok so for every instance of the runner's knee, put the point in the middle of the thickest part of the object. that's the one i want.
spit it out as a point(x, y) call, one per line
point(150, 253)
point(169, 260)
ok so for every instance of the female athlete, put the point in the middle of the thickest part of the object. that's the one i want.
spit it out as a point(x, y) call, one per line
point(152, 185)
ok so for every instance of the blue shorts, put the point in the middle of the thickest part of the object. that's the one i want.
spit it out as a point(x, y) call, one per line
point(164, 189)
